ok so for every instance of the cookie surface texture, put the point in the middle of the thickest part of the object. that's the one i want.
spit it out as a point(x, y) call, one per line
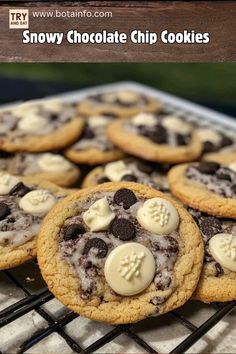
point(73, 258)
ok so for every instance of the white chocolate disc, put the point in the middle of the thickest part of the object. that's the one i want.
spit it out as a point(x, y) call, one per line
point(97, 121)
point(129, 268)
point(127, 96)
point(53, 163)
point(32, 122)
point(205, 134)
point(20, 111)
point(222, 247)
point(232, 166)
point(158, 216)
point(116, 170)
point(37, 202)
point(176, 124)
point(53, 106)
point(99, 216)
point(7, 182)
point(144, 119)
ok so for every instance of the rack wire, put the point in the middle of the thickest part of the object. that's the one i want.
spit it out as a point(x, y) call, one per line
point(34, 301)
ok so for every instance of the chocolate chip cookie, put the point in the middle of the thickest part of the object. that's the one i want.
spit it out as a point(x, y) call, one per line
point(156, 137)
point(217, 146)
point(132, 170)
point(93, 147)
point(38, 126)
point(23, 204)
point(43, 166)
point(207, 186)
point(120, 103)
point(218, 278)
point(120, 252)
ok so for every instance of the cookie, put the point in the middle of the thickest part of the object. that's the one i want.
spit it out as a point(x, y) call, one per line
point(39, 126)
point(23, 204)
point(156, 137)
point(120, 103)
point(217, 146)
point(43, 166)
point(93, 147)
point(206, 186)
point(218, 278)
point(131, 170)
point(120, 252)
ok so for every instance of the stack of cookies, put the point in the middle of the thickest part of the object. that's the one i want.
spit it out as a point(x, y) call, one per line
point(153, 223)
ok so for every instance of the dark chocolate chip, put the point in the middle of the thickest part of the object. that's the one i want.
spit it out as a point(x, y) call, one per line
point(97, 243)
point(208, 146)
point(54, 116)
point(125, 197)
point(181, 139)
point(4, 210)
point(223, 175)
point(19, 190)
point(103, 180)
point(73, 231)
point(226, 141)
point(87, 133)
point(210, 226)
point(208, 167)
point(219, 270)
point(123, 229)
point(159, 135)
point(233, 188)
point(4, 154)
point(144, 167)
point(129, 177)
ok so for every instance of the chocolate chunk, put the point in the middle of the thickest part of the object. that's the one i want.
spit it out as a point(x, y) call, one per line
point(73, 231)
point(208, 167)
point(233, 188)
point(97, 243)
point(4, 154)
point(19, 190)
point(222, 174)
point(219, 270)
point(87, 133)
point(129, 177)
point(208, 146)
point(181, 139)
point(159, 135)
point(226, 141)
point(103, 180)
point(144, 167)
point(210, 226)
point(125, 197)
point(4, 210)
point(53, 116)
point(123, 229)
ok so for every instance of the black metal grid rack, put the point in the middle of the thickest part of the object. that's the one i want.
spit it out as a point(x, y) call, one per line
point(34, 301)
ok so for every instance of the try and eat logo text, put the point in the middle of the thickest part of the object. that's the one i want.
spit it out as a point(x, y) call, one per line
point(18, 18)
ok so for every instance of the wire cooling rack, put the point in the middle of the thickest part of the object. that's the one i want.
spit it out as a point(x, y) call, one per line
point(30, 316)
point(35, 301)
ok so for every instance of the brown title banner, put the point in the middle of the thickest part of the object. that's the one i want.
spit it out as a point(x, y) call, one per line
point(102, 31)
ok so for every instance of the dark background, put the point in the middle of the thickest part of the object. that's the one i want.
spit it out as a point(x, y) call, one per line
point(212, 85)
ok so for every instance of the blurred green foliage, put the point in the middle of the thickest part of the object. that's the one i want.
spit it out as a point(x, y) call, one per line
point(208, 82)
